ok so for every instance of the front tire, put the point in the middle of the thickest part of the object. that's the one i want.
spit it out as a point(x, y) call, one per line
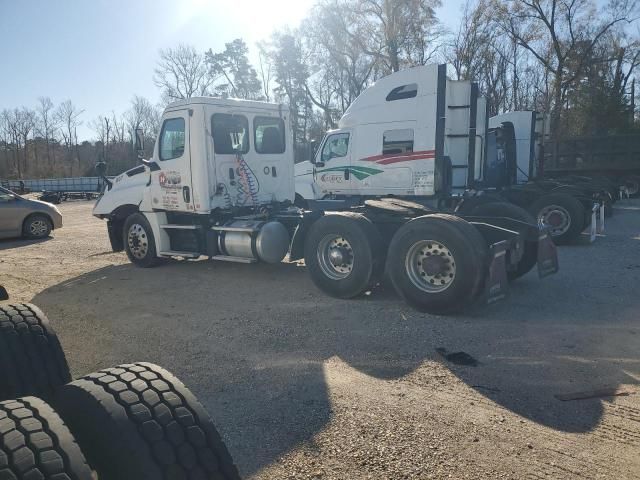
point(437, 263)
point(139, 242)
point(37, 226)
point(563, 214)
point(343, 253)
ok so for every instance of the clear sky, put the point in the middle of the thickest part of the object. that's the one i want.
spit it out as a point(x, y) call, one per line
point(99, 53)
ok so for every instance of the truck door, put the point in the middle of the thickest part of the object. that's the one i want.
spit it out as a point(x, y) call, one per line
point(332, 170)
point(171, 185)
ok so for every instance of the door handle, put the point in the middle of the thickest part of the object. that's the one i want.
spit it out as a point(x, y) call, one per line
point(186, 194)
point(347, 174)
point(320, 164)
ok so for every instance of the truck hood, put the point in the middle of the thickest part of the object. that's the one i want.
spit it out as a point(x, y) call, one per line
point(126, 189)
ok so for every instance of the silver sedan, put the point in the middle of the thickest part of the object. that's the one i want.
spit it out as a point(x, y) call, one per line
point(22, 217)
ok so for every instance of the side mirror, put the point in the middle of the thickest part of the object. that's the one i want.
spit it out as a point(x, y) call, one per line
point(138, 139)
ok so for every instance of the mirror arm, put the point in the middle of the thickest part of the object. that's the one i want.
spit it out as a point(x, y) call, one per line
point(153, 166)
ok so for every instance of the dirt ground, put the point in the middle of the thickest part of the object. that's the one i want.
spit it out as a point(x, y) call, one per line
point(302, 386)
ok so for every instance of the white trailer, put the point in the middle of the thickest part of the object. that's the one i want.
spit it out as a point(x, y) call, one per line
point(220, 183)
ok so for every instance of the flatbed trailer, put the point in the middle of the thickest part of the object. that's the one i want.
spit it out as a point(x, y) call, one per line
point(56, 190)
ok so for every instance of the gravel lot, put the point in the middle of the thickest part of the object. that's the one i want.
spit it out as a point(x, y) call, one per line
point(305, 386)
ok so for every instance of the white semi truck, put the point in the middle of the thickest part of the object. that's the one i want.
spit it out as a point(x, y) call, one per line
point(220, 184)
point(490, 156)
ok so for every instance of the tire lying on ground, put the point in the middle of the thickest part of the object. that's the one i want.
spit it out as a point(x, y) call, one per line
point(36, 444)
point(437, 263)
point(31, 359)
point(562, 213)
point(137, 421)
point(344, 254)
point(504, 209)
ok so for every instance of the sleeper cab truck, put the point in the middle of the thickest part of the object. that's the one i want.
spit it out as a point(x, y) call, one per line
point(220, 184)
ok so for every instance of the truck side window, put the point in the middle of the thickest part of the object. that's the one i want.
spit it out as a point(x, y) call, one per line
point(268, 135)
point(172, 139)
point(230, 133)
point(402, 92)
point(397, 141)
point(336, 146)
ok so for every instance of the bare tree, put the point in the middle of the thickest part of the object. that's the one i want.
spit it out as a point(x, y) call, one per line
point(266, 71)
point(561, 35)
point(397, 32)
point(182, 73)
point(47, 123)
point(68, 115)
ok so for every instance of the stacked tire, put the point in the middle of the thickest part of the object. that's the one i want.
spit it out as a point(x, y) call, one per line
point(132, 422)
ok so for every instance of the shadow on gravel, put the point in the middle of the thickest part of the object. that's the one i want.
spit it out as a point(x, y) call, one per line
point(20, 242)
point(250, 340)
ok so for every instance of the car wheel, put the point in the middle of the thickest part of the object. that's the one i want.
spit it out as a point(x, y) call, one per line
point(37, 226)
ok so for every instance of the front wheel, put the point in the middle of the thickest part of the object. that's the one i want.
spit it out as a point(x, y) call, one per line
point(139, 242)
point(436, 263)
point(37, 226)
point(562, 213)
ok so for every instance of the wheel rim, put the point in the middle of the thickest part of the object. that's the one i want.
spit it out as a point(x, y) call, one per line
point(138, 241)
point(430, 266)
point(556, 218)
point(38, 228)
point(335, 256)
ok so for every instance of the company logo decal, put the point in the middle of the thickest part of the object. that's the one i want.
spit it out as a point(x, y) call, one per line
point(336, 174)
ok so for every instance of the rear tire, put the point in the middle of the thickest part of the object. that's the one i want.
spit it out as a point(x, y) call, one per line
point(35, 443)
point(139, 242)
point(37, 226)
point(566, 214)
point(438, 286)
point(344, 255)
point(31, 358)
point(138, 421)
point(509, 210)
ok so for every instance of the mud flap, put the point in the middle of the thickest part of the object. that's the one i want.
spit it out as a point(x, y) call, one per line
point(497, 283)
point(3, 293)
point(547, 255)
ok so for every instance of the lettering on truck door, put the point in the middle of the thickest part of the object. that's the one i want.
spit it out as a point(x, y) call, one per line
point(333, 166)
